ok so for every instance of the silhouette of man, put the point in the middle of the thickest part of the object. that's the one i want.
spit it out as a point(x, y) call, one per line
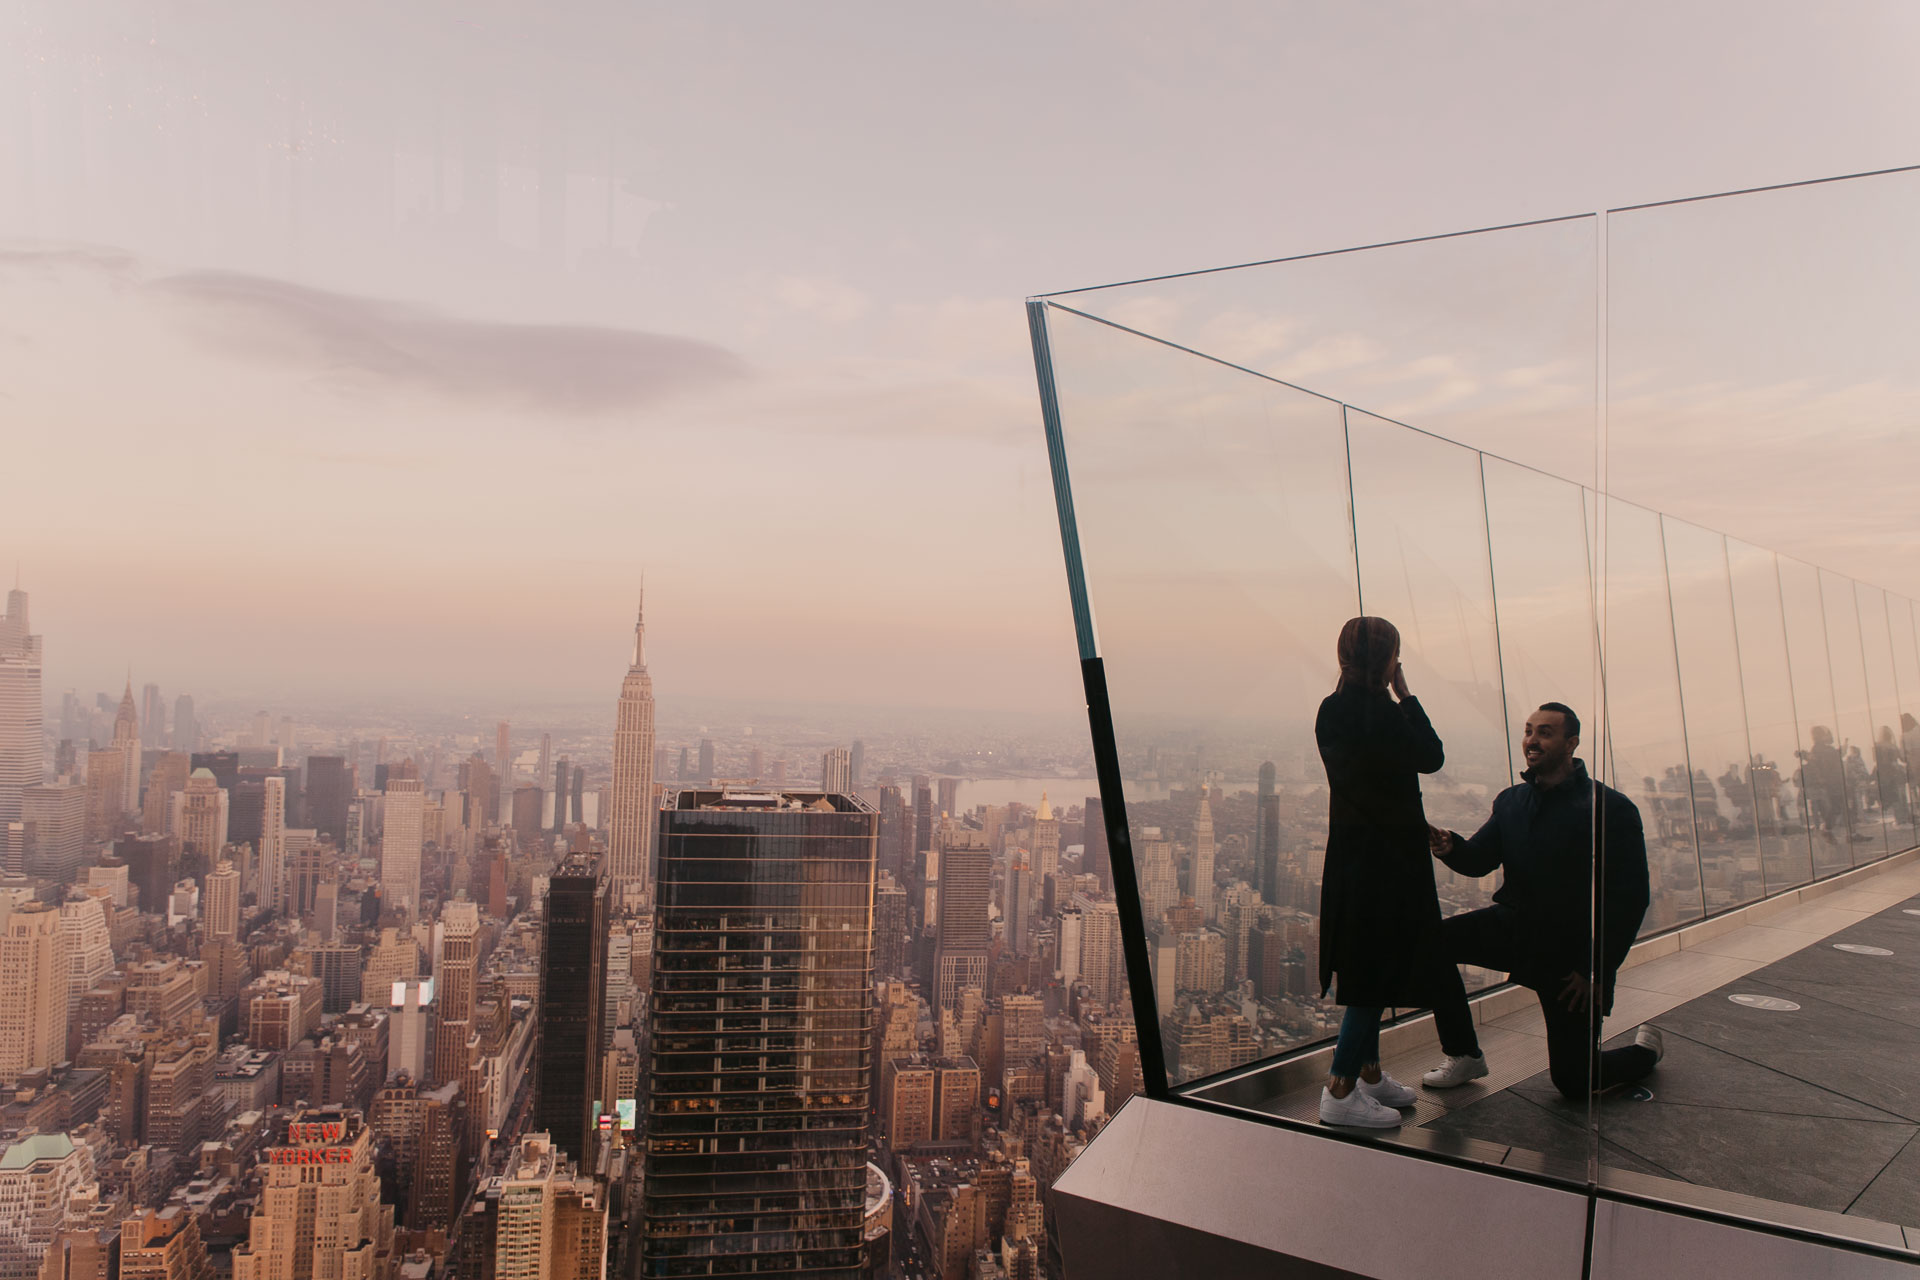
point(1539, 928)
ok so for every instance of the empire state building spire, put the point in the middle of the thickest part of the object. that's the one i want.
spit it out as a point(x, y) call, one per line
point(640, 631)
point(634, 814)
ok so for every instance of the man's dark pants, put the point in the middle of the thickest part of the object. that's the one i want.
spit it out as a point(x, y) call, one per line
point(1488, 939)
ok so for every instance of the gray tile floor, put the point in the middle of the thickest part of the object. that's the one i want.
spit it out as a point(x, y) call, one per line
point(1817, 1107)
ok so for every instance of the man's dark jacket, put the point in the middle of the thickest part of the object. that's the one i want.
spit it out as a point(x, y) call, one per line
point(1544, 836)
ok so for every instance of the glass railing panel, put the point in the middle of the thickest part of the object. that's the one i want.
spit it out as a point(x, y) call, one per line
point(1822, 763)
point(1420, 527)
point(1885, 757)
point(1906, 671)
point(1486, 338)
point(1766, 684)
point(1647, 737)
point(1212, 510)
point(1853, 715)
point(1760, 381)
point(1726, 786)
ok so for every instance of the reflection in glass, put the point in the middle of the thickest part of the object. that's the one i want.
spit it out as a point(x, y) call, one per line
point(1645, 733)
point(1822, 765)
point(1212, 507)
point(1536, 527)
point(1883, 751)
point(1725, 818)
point(1906, 671)
point(1853, 721)
point(1421, 539)
point(1780, 814)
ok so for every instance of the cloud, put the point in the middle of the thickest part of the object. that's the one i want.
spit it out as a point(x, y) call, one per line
point(369, 344)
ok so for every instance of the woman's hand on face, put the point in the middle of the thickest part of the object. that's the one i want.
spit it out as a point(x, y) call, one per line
point(1398, 682)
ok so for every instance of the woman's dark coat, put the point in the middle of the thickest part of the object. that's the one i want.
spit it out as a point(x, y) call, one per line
point(1379, 913)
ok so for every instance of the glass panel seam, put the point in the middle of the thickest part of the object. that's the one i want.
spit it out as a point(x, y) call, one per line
point(1746, 720)
point(1493, 594)
point(1686, 742)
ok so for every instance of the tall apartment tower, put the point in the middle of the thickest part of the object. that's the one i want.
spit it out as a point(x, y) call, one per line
point(544, 769)
point(1046, 842)
point(273, 843)
point(126, 741)
point(1266, 836)
point(857, 763)
point(55, 815)
point(456, 977)
point(1203, 857)
point(573, 997)
point(780, 1174)
point(562, 778)
point(923, 816)
point(406, 817)
point(707, 767)
point(836, 771)
point(153, 718)
point(502, 764)
point(1095, 860)
point(20, 709)
point(630, 827)
point(200, 815)
point(962, 933)
point(220, 903)
point(33, 989)
point(319, 1216)
point(186, 729)
point(549, 1222)
point(164, 1244)
point(329, 792)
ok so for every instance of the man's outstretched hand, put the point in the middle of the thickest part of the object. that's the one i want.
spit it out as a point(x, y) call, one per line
point(1577, 993)
point(1439, 840)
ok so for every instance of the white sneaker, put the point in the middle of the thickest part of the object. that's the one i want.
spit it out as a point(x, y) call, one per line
point(1456, 1071)
point(1387, 1091)
point(1649, 1037)
point(1356, 1109)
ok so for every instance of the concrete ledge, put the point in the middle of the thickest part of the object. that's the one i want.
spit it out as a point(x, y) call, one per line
point(1175, 1191)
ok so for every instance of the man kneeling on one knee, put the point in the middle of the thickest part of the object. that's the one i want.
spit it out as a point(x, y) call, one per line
point(1539, 928)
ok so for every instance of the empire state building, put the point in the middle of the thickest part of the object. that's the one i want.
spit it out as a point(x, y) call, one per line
point(631, 823)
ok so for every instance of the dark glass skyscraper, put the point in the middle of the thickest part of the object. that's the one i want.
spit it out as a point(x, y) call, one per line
point(329, 792)
point(757, 1116)
point(1266, 837)
point(1094, 857)
point(573, 988)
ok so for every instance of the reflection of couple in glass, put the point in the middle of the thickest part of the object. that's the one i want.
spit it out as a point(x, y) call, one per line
point(1382, 941)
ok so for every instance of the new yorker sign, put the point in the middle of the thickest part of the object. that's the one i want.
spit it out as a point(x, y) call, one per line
point(311, 1135)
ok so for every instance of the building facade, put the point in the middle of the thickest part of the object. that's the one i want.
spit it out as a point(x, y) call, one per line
point(758, 1111)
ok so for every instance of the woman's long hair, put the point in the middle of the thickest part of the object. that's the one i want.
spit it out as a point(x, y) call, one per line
point(1367, 649)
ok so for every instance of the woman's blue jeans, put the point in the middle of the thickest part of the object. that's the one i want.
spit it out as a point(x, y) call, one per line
point(1359, 1043)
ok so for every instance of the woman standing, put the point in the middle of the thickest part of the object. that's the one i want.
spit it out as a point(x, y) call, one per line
point(1379, 913)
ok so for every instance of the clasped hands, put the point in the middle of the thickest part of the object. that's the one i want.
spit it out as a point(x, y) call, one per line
point(1439, 840)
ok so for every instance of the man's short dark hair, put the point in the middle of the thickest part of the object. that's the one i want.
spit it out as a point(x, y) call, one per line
point(1567, 714)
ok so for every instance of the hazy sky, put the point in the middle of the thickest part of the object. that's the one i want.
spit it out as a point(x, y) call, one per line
point(381, 347)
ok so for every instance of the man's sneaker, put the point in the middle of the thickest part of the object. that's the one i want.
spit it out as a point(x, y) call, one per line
point(1456, 1070)
point(1356, 1109)
point(1387, 1091)
point(1649, 1037)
